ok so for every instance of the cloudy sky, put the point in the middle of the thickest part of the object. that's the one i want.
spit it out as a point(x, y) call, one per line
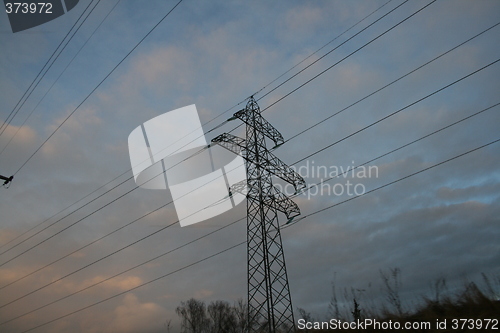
point(443, 222)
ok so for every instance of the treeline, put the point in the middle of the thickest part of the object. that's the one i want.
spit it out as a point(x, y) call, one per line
point(216, 317)
point(477, 304)
point(469, 310)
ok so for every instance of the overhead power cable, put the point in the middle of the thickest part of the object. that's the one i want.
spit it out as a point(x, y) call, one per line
point(395, 150)
point(57, 79)
point(335, 48)
point(391, 83)
point(338, 62)
point(139, 286)
point(241, 243)
point(292, 137)
point(69, 117)
point(219, 229)
point(360, 48)
point(96, 198)
point(231, 108)
point(443, 88)
point(98, 85)
point(60, 219)
point(104, 236)
point(401, 109)
point(13, 113)
point(344, 137)
point(321, 48)
point(216, 127)
point(109, 254)
point(395, 181)
point(344, 58)
point(86, 216)
point(497, 140)
point(24, 122)
point(165, 227)
point(350, 54)
point(125, 271)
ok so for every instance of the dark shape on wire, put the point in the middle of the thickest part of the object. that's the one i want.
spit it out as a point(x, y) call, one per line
point(7, 179)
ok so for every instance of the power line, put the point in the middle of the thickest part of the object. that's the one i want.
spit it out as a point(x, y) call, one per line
point(141, 285)
point(401, 109)
point(399, 148)
point(335, 48)
point(176, 141)
point(83, 218)
point(106, 235)
point(411, 104)
point(25, 120)
point(88, 265)
point(392, 82)
point(301, 132)
point(74, 211)
point(350, 54)
point(135, 242)
point(96, 198)
point(480, 147)
point(445, 161)
point(396, 181)
point(307, 81)
point(335, 64)
point(338, 62)
point(68, 118)
point(71, 115)
point(100, 83)
point(321, 48)
point(14, 112)
point(106, 256)
point(64, 70)
point(378, 120)
point(241, 243)
point(322, 149)
point(299, 193)
point(125, 271)
point(103, 186)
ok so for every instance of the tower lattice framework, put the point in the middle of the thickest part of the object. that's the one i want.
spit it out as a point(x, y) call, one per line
point(269, 301)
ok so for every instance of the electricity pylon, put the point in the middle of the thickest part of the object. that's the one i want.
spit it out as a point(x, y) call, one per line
point(269, 302)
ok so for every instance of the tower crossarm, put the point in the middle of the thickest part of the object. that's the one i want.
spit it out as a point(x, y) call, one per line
point(230, 142)
point(247, 116)
point(239, 187)
point(284, 204)
point(269, 161)
point(278, 200)
point(278, 168)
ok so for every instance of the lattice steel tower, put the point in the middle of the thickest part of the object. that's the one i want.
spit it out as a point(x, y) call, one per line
point(269, 302)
